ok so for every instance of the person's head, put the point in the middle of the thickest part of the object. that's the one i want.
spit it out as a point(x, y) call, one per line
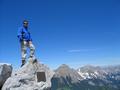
point(25, 23)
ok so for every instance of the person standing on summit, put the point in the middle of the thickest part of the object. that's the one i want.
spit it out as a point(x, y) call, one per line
point(25, 39)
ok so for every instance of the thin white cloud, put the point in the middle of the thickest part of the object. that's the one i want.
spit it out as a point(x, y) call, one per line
point(74, 50)
point(80, 50)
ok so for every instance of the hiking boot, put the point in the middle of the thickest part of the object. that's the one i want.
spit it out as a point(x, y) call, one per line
point(23, 62)
point(35, 60)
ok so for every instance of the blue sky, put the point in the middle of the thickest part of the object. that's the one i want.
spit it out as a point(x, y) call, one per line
point(74, 32)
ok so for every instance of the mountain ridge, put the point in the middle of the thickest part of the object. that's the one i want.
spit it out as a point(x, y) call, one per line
point(87, 77)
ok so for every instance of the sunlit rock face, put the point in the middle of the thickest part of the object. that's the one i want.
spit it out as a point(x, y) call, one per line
point(5, 72)
point(29, 77)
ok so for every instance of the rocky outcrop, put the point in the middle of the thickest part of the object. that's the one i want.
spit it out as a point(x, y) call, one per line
point(32, 76)
point(5, 72)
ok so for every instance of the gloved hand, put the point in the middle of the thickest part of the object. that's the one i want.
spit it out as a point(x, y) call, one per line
point(20, 38)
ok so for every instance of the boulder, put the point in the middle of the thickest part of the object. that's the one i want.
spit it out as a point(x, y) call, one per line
point(5, 72)
point(32, 76)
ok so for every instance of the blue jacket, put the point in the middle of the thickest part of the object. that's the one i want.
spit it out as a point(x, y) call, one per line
point(24, 34)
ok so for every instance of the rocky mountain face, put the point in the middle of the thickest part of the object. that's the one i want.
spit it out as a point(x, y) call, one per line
point(5, 72)
point(32, 76)
point(64, 76)
point(86, 78)
point(105, 77)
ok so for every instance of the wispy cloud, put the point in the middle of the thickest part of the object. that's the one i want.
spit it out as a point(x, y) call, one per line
point(81, 50)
